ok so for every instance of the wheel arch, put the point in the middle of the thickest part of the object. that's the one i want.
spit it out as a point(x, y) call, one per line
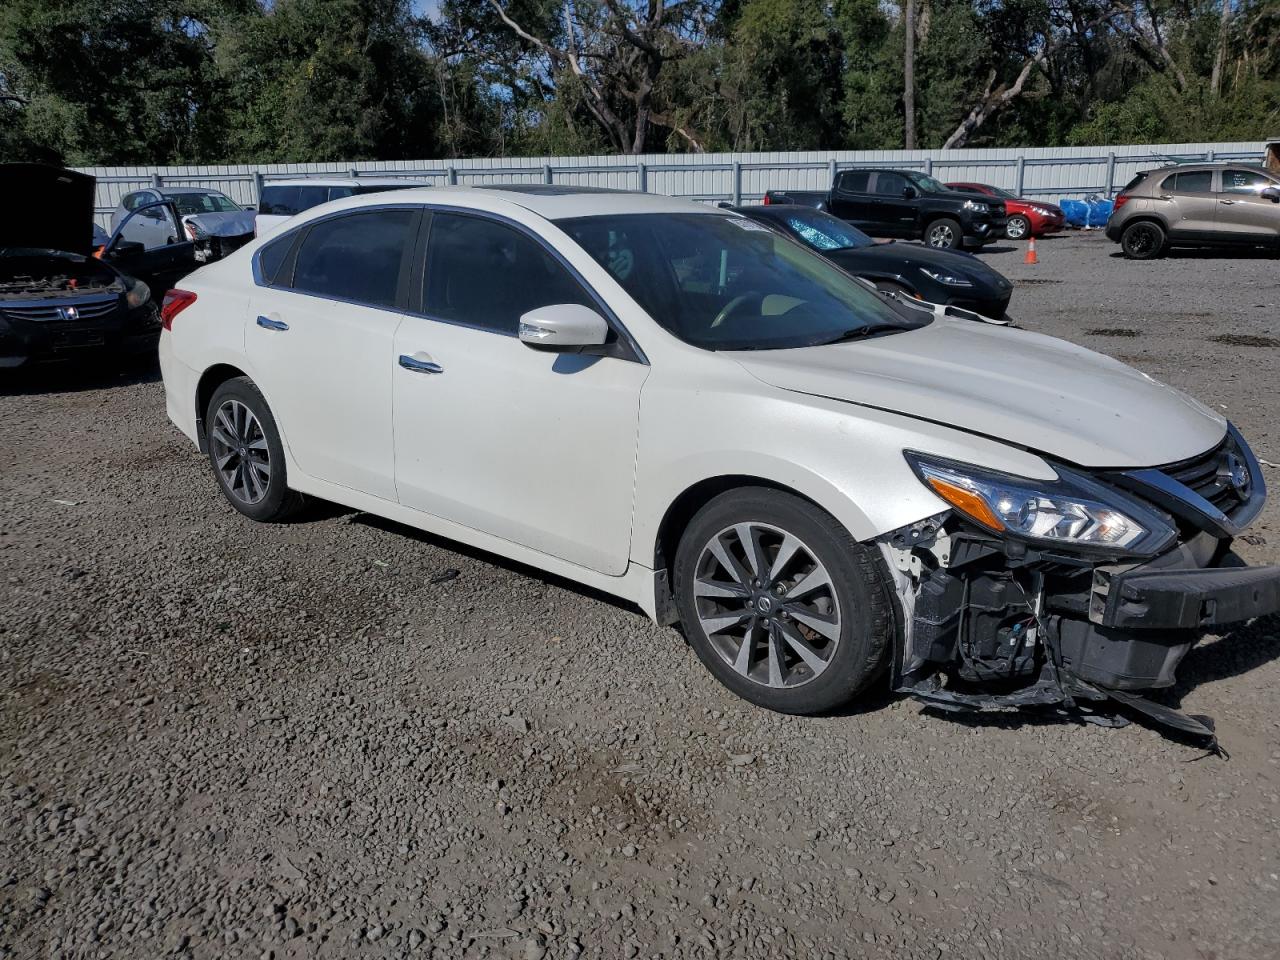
point(212, 378)
point(682, 509)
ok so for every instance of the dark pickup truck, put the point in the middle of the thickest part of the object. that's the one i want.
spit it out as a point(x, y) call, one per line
point(907, 204)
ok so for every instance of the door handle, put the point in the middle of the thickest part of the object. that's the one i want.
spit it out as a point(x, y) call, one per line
point(419, 366)
point(268, 324)
point(1166, 196)
point(1227, 202)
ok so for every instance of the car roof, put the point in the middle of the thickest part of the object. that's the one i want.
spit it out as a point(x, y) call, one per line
point(550, 201)
point(342, 182)
point(174, 191)
point(1216, 165)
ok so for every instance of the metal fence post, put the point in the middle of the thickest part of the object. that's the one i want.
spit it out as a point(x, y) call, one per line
point(1111, 171)
point(642, 177)
point(1209, 155)
point(737, 183)
point(453, 175)
point(257, 188)
point(546, 173)
point(831, 169)
point(928, 166)
point(157, 181)
point(1022, 175)
point(354, 173)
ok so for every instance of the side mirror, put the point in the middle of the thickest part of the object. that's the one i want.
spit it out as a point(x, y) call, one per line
point(563, 326)
point(1272, 194)
point(909, 193)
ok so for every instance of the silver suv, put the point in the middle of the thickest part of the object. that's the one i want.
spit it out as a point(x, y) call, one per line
point(1197, 205)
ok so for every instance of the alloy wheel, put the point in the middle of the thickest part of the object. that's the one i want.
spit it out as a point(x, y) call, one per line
point(1016, 228)
point(1142, 239)
point(942, 236)
point(767, 605)
point(240, 452)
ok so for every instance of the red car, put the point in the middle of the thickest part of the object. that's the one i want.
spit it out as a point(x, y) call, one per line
point(1027, 218)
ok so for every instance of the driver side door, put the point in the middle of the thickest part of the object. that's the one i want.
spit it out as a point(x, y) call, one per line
point(162, 256)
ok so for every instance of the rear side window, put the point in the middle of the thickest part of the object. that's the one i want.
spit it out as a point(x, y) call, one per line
point(356, 257)
point(1190, 181)
point(1132, 184)
point(309, 197)
point(1244, 181)
point(854, 181)
point(279, 201)
point(272, 258)
point(487, 274)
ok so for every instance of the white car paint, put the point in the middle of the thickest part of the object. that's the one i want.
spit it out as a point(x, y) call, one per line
point(572, 470)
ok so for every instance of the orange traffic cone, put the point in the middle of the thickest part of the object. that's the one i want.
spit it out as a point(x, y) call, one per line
point(1031, 252)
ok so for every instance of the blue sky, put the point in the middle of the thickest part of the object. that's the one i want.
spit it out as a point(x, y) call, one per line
point(428, 7)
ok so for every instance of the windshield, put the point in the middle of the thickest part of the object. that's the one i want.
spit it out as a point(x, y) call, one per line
point(926, 183)
point(189, 203)
point(727, 283)
point(821, 231)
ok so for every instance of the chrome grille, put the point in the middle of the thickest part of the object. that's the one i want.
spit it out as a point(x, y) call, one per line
point(1209, 475)
point(63, 310)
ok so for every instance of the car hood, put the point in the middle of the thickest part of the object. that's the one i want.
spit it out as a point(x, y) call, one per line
point(898, 256)
point(234, 223)
point(1019, 387)
point(46, 207)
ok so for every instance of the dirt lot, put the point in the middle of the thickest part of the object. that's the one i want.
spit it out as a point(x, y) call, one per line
point(228, 740)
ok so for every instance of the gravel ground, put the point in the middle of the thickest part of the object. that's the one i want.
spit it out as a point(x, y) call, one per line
point(227, 740)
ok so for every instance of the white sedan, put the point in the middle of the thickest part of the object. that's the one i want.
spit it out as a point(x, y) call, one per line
point(670, 403)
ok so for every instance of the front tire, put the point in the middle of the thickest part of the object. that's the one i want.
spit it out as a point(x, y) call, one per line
point(1017, 227)
point(944, 234)
point(780, 603)
point(1143, 240)
point(246, 453)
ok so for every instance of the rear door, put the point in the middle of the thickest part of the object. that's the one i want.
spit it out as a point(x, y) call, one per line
point(1242, 210)
point(320, 334)
point(1189, 203)
point(852, 200)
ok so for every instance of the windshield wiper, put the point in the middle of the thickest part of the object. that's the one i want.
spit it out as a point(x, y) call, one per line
point(858, 333)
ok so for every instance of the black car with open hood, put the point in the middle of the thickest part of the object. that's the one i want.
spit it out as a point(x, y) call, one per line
point(59, 296)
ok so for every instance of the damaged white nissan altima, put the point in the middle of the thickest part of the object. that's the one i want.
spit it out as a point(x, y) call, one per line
point(825, 486)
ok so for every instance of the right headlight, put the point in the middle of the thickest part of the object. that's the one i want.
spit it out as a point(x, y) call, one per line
point(1070, 513)
point(977, 206)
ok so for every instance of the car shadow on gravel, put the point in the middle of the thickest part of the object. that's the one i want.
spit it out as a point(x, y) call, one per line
point(1239, 651)
point(492, 559)
point(104, 373)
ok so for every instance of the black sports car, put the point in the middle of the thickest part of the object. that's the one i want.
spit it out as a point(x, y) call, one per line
point(938, 276)
point(59, 298)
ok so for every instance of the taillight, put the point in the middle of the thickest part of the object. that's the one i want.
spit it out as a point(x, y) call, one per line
point(1120, 202)
point(175, 301)
point(767, 200)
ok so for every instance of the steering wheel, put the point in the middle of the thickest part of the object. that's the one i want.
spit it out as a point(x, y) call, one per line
point(729, 308)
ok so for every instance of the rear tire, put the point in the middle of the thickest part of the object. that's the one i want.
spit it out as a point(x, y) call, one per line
point(944, 234)
point(803, 622)
point(1143, 240)
point(1017, 227)
point(246, 453)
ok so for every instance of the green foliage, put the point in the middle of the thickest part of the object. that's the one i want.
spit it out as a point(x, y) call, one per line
point(190, 81)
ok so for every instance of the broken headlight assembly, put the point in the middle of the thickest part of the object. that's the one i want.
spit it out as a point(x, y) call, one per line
point(1071, 514)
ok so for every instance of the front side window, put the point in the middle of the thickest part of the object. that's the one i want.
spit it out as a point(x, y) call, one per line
point(1190, 181)
point(890, 184)
point(355, 257)
point(727, 283)
point(821, 231)
point(1245, 181)
point(487, 274)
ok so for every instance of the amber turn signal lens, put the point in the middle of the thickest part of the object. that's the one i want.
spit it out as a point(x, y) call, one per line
point(966, 501)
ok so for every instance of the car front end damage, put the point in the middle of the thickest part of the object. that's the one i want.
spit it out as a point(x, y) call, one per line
point(1075, 593)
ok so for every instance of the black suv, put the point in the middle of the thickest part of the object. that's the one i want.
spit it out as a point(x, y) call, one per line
point(907, 204)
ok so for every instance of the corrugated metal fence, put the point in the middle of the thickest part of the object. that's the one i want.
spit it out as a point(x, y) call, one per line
point(1047, 172)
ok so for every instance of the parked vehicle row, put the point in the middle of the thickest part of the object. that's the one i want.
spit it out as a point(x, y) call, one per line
point(906, 204)
point(1197, 205)
point(686, 408)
